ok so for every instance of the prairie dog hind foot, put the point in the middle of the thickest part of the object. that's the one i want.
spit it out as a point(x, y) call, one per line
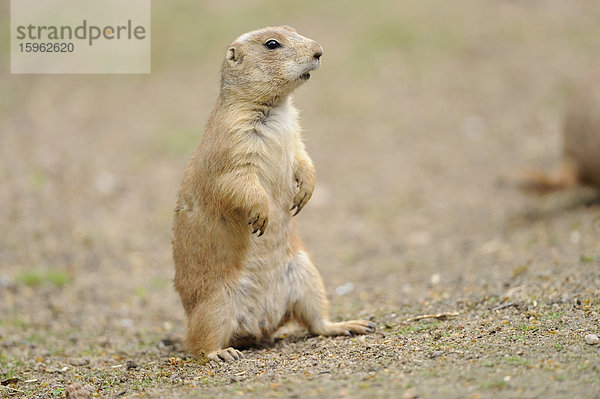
point(226, 355)
point(349, 327)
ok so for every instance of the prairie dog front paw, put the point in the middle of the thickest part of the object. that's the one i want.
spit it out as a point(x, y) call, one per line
point(305, 179)
point(258, 216)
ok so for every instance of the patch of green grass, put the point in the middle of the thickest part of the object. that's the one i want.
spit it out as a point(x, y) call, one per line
point(19, 323)
point(37, 179)
point(587, 366)
point(526, 328)
point(8, 374)
point(59, 278)
point(429, 373)
point(496, 384)
point(36, 338)
point(518, 360)
point(558, 347)
point(31, 278)
point(35, 278)
point(159, 283)
point(58, 351)
point(417, 328)
point(141, 292)
point(588, 258)
point(554, 315)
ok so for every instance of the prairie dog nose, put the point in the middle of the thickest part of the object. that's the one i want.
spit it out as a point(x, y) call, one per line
point(318, 50)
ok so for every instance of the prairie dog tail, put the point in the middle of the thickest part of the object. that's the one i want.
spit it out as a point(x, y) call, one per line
point(539, 182)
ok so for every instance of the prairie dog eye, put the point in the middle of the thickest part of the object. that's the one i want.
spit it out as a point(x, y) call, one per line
point(272, 44)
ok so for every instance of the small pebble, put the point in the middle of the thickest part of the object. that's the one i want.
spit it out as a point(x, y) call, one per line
point(575, 236)
point(76, 391)
point(79, 362)
point(40, 368)
point(5, 282)
point(131, 364)
point(345, 289)
point(591, 339)
point(126, 323)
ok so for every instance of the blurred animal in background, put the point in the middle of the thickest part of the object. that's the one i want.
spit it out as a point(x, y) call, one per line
point(580, 163)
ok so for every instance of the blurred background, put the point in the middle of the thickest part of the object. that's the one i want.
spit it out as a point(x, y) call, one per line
point(417, 121)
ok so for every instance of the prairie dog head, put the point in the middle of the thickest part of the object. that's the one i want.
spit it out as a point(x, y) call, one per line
point(266, 65)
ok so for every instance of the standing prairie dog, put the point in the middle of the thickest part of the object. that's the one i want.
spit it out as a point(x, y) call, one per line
point(240, 269)
point(580, 163)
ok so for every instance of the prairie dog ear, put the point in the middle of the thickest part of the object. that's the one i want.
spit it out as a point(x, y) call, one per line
point(233, 55)
point(290, 28)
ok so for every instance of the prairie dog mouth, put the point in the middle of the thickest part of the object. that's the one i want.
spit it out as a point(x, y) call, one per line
point(312, 67)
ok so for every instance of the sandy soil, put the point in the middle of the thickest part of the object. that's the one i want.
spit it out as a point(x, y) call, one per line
point(418, 122)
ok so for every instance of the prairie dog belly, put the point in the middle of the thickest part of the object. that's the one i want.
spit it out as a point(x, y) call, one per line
point(261, 296)
point(262, 290)
point(260, 306)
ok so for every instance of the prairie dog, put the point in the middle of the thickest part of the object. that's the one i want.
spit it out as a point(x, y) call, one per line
point(580, 163)
point(240, 269)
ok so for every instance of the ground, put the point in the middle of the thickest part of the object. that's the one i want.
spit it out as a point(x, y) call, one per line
point(419, 121)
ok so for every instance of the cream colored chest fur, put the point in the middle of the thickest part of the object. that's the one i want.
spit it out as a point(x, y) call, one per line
point(279, 137)
point(263, 273)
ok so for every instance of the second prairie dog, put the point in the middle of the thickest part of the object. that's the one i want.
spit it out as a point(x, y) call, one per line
point(240, 269)
point(580, 163)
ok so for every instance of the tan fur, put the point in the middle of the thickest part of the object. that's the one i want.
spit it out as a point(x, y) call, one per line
point(248, 172)
point(580, 164)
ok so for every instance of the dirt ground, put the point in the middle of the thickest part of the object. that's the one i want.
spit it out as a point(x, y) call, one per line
point(418, 121)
